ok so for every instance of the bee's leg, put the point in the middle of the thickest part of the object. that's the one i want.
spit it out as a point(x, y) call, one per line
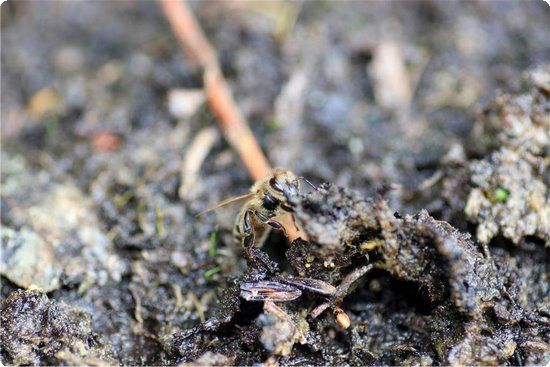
point(277, 225)
point(350, 281)
point(247, 233)
point(271, 308)
point(287, 208)
point(253, 256)
point(270, 222)
point(294, 222)
point(345, 288)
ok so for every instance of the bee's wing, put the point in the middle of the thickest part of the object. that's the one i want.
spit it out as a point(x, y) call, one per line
point(225, 202)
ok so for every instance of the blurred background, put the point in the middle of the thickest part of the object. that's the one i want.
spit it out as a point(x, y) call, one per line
point(101, 110)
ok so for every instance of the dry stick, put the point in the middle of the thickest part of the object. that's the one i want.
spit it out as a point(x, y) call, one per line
point(194, 157)
point(235, 128)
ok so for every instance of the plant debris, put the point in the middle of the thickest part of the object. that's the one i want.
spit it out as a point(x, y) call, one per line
point(105, 163)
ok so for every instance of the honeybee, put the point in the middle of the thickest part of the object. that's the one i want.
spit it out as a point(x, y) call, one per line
point(267, 199)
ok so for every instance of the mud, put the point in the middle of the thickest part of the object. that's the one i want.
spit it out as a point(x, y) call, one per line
point(509, 194)
point(441, 187)
point(36, 330)
point(433, 297)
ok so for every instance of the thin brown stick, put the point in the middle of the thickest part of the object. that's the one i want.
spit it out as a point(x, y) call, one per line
point(237, 132)
point(235, 128)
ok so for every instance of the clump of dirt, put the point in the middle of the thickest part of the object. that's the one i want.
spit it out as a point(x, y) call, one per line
point(51, 236)
point(448, 270)
point(500, 183)
point(518, 121)
point(414, 248)
point(108, 155)
point(509, 194)
point(431, 297)
point(39, 331)
point(509, 198)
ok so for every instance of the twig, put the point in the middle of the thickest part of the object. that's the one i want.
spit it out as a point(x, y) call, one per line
point(235, 128)
point(192, 39)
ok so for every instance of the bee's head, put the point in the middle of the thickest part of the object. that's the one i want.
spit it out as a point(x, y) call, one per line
point(285, 184)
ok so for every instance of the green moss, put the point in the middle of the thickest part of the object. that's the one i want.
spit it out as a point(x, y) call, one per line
point(501, 194)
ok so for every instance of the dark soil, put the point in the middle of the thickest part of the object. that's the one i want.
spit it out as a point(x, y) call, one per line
point(438, 193)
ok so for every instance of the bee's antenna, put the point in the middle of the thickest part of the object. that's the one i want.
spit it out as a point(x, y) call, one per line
point(307, 181)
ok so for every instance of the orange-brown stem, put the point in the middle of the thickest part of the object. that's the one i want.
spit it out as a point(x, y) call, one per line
point(234, 126)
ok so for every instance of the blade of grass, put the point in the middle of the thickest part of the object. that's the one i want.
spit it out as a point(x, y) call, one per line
point(210, 272)
point(212, 247)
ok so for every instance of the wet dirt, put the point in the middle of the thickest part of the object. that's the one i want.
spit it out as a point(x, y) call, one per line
point(441, 188)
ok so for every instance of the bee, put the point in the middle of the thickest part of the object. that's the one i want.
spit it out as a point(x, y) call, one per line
point(267, 199)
